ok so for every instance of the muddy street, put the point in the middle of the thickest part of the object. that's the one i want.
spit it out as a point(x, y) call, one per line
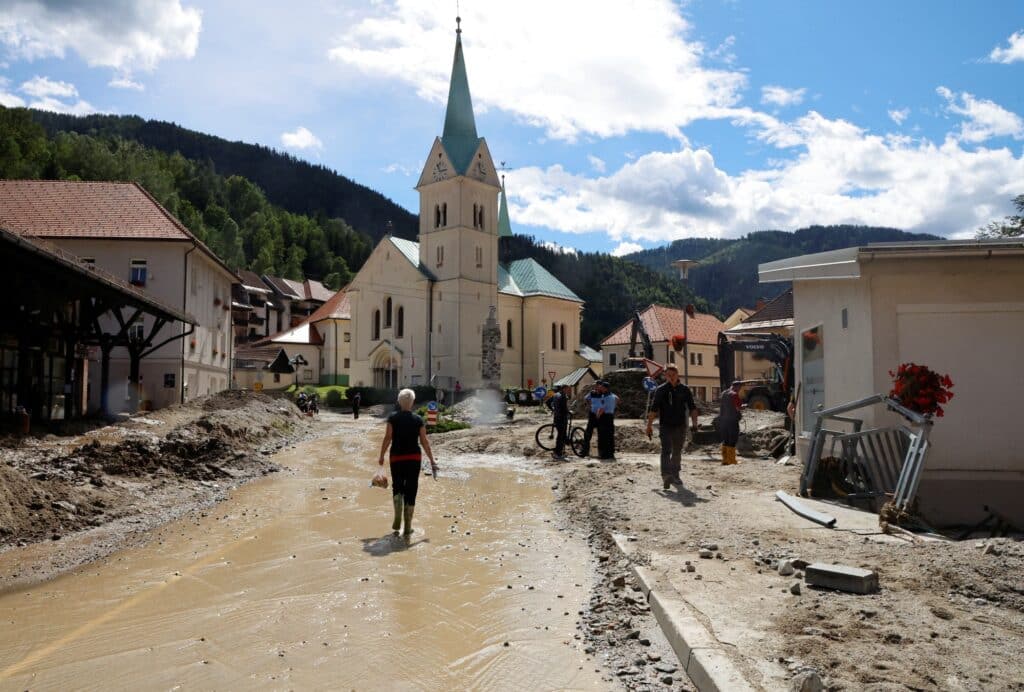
point(295, 582)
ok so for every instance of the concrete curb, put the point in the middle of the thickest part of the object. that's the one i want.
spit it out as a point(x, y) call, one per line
point(703, 658)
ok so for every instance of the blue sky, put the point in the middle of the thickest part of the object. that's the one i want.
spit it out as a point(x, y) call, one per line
point(622, 125)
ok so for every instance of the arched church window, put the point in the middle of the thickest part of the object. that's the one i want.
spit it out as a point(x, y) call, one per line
point(474, 215)
point(440, 255)
point(444, 214)
point(376, 325)
point(479, 257)
point(554, 336)
point(437, 216)
point(387, 312)
point(480, 218)
point(400, 323)
point(561, 334)
point(508, 334)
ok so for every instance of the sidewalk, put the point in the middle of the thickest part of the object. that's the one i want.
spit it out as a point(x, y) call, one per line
point(948, 615)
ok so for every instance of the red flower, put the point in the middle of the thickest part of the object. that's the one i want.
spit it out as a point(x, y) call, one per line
point(920, 389)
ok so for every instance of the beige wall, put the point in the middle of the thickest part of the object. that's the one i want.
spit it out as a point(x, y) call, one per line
point(963, 317)
point(336, 350)
point(388, 273)
point(540, 313)
point(202, 371)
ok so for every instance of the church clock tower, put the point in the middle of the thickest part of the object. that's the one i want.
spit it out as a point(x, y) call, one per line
point(459, 235)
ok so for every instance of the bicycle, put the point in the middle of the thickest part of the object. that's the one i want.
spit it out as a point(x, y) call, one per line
point(547, 435)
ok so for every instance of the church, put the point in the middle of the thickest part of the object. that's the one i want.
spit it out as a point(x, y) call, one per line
point(420, 310)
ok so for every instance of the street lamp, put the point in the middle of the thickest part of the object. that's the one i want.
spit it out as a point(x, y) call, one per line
point(683, 266)
point(295, 363)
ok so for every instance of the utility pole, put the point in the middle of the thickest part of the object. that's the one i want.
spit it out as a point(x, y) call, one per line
point(683, 266)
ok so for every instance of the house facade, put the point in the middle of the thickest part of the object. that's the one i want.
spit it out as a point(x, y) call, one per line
point(662, 323)
point(418, 309)
point(121, 229)
point(955, 306)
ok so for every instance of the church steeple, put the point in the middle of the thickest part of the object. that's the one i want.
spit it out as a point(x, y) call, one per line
point(459, 138)
point(504, 226)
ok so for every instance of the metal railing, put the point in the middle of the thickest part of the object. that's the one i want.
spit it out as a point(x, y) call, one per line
point(876, 463)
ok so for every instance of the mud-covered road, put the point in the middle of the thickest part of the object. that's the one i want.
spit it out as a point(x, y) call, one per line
point(294, 582)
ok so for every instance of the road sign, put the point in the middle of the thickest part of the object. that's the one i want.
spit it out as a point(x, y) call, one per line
point(649, 384)
point(551, 376)
point(539, 393)
point(431, 418)
point(431, 406)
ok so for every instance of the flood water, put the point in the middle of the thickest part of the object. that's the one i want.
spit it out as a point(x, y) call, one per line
point(295, 583)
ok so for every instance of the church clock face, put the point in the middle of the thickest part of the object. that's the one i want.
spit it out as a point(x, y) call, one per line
point(440, 171)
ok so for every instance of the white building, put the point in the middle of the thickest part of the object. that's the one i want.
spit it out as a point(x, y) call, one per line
point(954, 306)
point(120, 228)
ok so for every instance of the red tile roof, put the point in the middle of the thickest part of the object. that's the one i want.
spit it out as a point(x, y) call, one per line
point(86, 209)
point(662, 323)
point(337, 308)
point(73, 209)
point(778, 308)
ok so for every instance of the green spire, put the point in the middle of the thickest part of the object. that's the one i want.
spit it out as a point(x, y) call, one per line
point(459, 138)
point(504, 227)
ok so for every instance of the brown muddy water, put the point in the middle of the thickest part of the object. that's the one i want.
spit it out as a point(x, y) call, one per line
point(295, 583)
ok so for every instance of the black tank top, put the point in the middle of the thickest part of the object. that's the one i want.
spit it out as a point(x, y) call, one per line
point(405, 436)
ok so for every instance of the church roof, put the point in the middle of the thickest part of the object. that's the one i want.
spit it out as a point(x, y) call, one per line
point(460, 139)
point(526, 277)
point(411, 250)
point(504, 225)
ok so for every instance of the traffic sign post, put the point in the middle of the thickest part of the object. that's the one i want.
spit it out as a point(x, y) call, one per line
point(432, 413)
point(539, 393)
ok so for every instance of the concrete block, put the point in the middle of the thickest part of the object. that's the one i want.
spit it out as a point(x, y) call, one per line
point(713, 670)
point(682, 630)
point(841, 578)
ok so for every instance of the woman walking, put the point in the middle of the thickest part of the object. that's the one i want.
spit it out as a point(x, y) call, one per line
point(404, 435)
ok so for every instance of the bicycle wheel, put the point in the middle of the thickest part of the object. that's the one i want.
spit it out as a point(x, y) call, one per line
point(546, 437)
point(576, 441)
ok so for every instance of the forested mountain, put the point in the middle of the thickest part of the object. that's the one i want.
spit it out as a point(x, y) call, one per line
point(272, 213)
point(291, 183)
point(230, 214)
point(611, 287)
point(727, 273)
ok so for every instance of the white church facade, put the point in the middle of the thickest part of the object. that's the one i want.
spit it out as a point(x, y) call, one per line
point(418, 309)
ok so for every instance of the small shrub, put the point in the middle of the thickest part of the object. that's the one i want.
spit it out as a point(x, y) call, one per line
point(447, 425)
point(333, 398)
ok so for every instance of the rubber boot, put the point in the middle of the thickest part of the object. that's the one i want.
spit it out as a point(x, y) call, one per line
point(725, 455)
point(399, 501)
point(409, 509)
point(730, 454)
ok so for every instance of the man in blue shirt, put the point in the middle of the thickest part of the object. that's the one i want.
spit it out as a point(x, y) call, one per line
point(606, 424)
point(594, 401)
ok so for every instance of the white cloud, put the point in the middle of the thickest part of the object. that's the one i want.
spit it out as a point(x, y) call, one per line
point(1014, 51)
point(597, 163)
point(301, 139)
point(126, 83)
point(43, 87)
point(899, 115)
point(781, 96)
point(842, 174)
point(983, 119)
point(626, 249)
point(7, 98)
point(123, 34)
point(400, 168)
point(622, 67)
point(54, 95)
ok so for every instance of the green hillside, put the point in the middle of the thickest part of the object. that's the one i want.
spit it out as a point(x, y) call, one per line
point(727, 274)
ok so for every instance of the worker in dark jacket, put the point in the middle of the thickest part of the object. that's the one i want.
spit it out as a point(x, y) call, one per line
point(594, 401)
point(729, 414)
point(560, 408)
point(673, 404)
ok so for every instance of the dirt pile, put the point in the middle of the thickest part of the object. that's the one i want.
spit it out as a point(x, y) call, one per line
point(53, 487)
